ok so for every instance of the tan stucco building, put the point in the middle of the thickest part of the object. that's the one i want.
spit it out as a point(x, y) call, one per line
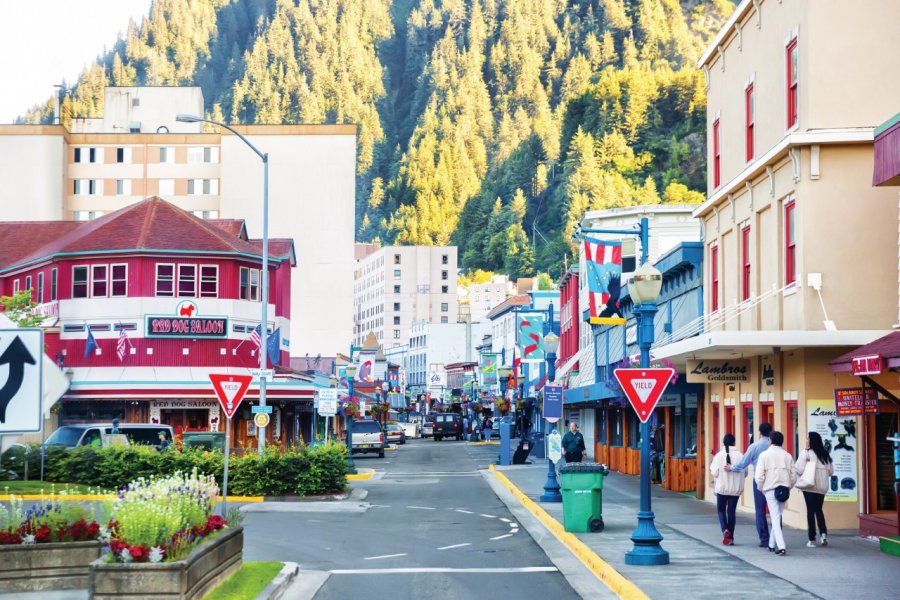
point(799, 248)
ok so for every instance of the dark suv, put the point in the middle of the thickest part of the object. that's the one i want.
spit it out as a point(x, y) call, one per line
point(448, 425)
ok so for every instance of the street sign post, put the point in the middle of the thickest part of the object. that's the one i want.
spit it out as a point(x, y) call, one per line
point(328, 400)
point(261, 409)
point(554, 441)
point(553, 402)
point(21, 350)
point(230, 390)
point(643, 388)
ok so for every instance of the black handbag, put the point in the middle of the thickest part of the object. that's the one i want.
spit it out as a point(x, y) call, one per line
point(782, 493)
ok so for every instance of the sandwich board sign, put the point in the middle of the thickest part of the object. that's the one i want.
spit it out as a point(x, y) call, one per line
point(644, 388)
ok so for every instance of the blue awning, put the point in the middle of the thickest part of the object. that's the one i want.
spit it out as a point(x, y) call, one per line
point(588, 393)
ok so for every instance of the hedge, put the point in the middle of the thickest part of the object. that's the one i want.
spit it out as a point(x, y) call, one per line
point(298, 470)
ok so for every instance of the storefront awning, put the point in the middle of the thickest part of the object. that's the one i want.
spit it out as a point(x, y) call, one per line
point(887, 347)
point(730, 344)
point(886, 169)
point(587, 394)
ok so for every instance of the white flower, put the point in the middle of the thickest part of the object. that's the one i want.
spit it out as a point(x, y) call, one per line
point(103, 534)
point(125, 555)
point(156, 554)
point(28, 539)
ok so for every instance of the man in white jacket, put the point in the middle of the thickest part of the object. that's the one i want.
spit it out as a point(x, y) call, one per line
point(775, 469)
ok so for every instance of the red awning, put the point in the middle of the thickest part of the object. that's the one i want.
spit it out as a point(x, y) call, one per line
point(888, 347)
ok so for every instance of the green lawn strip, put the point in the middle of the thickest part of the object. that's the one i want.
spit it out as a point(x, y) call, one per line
point(248, 582)
point(46, 487)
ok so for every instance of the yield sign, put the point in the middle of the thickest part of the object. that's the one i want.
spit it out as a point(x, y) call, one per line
point(230, 389)
point(644, 387)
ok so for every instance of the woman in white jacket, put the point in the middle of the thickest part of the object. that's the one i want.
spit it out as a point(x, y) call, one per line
point(775, 469)
point(814, 492)
point(729, 486)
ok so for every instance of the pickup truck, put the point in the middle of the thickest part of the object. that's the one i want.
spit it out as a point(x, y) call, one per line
point(368, 437)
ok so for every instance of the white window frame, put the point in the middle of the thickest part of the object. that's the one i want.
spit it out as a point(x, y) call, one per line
point(170, 187)
point(87, 280)
point(16, 285)
point(167, 155)
point(28, 282)
point(157, 280)
point(123, 187)
point(126, 155)
point(105, 280)
point(195, 155)
point(40, 288)
point(194, 278)
point(112, 281)
point(215, 281)
point(54, 282)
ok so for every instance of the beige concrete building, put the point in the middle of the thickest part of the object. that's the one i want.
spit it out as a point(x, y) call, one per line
point(138, 149)
point(397, 286)
point(799, 247)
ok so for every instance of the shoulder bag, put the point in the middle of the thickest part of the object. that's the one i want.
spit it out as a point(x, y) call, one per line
point(807, 480)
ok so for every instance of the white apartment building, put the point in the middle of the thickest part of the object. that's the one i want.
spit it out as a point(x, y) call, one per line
point(138, 149)
point(483, 297)
point(396, 286)
point(434, 345)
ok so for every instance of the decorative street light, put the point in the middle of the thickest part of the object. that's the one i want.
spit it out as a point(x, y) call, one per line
point(385, 386)
point(644, 289)
point(504, 373)
point(351, 375)
point(264, 276)
point(551, 487)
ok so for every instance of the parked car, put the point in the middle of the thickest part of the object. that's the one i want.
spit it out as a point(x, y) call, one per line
point(394, 433)
point(448, 425)
point(91, 434)
point(411, 430)
point(428, 426)
point(368, 437)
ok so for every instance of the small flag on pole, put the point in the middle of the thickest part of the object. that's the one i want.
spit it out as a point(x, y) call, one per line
point(255, 336)
point(120, 344)
point(273, 347)
point(91, 344)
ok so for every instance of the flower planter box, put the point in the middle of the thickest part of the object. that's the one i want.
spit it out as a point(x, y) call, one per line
point(46, 567)
point(206, 566)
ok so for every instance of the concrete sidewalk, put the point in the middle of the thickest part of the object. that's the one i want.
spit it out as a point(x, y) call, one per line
point(701, 566)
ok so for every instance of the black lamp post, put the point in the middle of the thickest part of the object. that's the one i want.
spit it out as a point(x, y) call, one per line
point(551, 487)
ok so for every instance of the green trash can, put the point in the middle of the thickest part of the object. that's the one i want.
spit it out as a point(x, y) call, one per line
point(582, 485)
point(208, 440)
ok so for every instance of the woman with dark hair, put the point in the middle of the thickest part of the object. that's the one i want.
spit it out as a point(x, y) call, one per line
point(729, 486)
point(814, 491)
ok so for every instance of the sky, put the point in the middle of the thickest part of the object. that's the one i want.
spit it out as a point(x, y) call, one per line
point(43, 42)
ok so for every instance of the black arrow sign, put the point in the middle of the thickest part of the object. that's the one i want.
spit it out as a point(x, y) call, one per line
point(16, 355)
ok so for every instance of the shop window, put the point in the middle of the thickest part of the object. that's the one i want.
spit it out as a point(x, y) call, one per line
point(768, 413)
point(684, 440)
point(187, 281)
point(634, 430)
point(882, 489)
point(791, 428)
point(615, 427)
point(165, 280)
point(600, 419)
point(729, 423)
point(119, 280)
point(749, 426)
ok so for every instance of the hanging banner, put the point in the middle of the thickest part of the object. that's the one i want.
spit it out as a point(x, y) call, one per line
point(603, 270)
point(530, 337)
point(839, 436)
point(488, 369)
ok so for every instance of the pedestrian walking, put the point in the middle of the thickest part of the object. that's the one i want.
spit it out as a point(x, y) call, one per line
point(814, 469)
point(573, 444)
point(775, 476)
point(729, 487)
point(486, 429)
point(759, 500)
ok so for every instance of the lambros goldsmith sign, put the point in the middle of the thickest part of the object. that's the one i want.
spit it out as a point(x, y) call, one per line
point(718, 371)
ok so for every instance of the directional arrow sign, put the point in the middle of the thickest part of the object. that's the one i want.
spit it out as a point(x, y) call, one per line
point(21, 351)
point(230, 390)
point(644, 388)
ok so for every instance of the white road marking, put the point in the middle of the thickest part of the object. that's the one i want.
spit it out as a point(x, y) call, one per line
point(384, 556)
point(465, 512)
point(500, 537)
point(443, 570)
point(379, 506)
point(423, 507)
point(505, 520)
point(487, 516)
point(454, 546)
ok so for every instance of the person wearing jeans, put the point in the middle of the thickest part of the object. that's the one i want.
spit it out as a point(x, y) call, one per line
point(729, 487)
point(759, 500)
point(814, 492)
point(775, 468)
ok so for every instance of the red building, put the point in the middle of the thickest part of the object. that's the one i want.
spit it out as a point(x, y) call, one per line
point(569, 327)
point(168, 298)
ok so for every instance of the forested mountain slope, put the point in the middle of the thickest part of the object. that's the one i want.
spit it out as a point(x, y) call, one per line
point(490, 124)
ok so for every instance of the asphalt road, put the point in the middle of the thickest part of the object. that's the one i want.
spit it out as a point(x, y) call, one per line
point(430, 526)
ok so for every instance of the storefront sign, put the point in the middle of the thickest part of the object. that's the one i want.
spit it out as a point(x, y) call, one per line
point(157, 406)
point(867, 365)
point(768, 373)
point(848, 402)
point(553, 402)
point(718, 371)
point(839, 437)
point(185, 323)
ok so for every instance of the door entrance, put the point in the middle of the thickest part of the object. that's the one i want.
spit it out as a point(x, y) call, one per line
point(186, 419)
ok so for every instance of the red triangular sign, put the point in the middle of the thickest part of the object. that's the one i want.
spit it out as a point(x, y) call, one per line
point(230, 389)
point(644, 388)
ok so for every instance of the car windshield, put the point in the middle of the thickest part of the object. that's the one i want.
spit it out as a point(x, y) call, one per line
point(366, 427)
point(65, 436)
point(394, 427)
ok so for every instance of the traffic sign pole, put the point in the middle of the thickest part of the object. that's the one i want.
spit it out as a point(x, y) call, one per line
point(230, 390)
point(225, 476)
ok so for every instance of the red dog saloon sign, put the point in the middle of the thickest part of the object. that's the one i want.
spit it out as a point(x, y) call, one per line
point(186, 322)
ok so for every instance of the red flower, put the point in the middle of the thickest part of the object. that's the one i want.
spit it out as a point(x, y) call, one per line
point(116, 546)
point(10, 538)
point(93, 529)
point(138, 552)
point(42, 535)
point(214, 523)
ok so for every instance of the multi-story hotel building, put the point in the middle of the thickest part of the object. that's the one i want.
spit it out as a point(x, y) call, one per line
point(168, 298)
point(396, 286)
point(481, 298)
point(138, 149)
point(799, 253)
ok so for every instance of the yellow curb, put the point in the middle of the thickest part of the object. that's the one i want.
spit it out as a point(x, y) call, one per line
point(367, 474)
point(244, 499)
point(484, 443)
point(390, 449)
point(615, 581)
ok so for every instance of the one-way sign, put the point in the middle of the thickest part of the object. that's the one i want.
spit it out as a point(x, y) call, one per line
point(21, 351)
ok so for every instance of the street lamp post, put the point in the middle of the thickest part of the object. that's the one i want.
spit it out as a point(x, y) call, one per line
point(551, 487)
point(351, 375)
point(644, 290)
point(264, 276)
point(385, 386)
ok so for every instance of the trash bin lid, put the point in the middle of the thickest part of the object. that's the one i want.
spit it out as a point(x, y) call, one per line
point(585, 468)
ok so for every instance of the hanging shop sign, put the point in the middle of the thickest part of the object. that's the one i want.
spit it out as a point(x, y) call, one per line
point(718, 371)
point(186, 322)
point(867, 365)
point(839, 437)
point(848, 402)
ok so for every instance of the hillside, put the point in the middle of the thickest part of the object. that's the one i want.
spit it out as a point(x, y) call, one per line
point(490, 124)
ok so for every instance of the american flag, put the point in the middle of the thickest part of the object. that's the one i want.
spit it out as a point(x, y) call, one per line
point(254, 336)
point(120, 344)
